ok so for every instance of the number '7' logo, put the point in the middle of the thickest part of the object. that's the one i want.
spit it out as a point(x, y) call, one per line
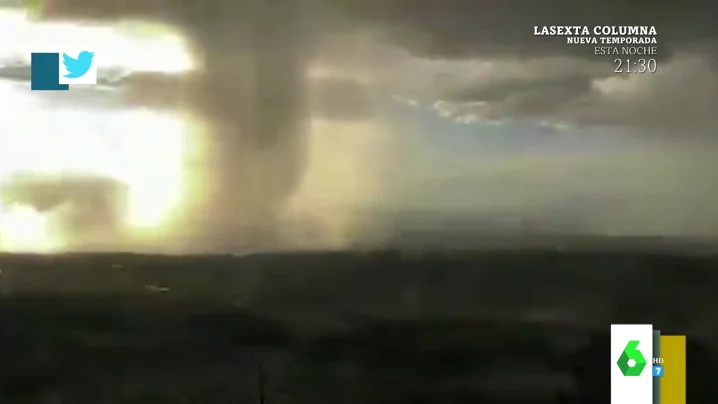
point(631, 354)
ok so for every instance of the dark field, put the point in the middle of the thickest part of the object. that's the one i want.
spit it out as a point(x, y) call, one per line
point(381, 327)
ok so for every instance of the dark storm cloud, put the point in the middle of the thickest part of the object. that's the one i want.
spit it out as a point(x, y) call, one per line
point(527, 96)
point(680, 98)
point(481, 28)
point(483, 58)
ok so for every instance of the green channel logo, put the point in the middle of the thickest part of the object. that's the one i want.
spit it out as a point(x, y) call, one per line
point(631, 354)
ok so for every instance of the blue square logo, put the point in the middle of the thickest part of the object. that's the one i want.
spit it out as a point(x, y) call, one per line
point(52, 71)
point(658, 371)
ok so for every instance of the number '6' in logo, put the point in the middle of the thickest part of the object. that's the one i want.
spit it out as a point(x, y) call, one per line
point(631, 352)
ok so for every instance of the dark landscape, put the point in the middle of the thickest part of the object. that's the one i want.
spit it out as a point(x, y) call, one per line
point(372, 327)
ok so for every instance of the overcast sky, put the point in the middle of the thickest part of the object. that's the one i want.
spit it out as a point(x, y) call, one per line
point(426, 111)
point(529, 132)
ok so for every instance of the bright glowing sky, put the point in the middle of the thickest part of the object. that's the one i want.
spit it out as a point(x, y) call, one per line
point(45, 134)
